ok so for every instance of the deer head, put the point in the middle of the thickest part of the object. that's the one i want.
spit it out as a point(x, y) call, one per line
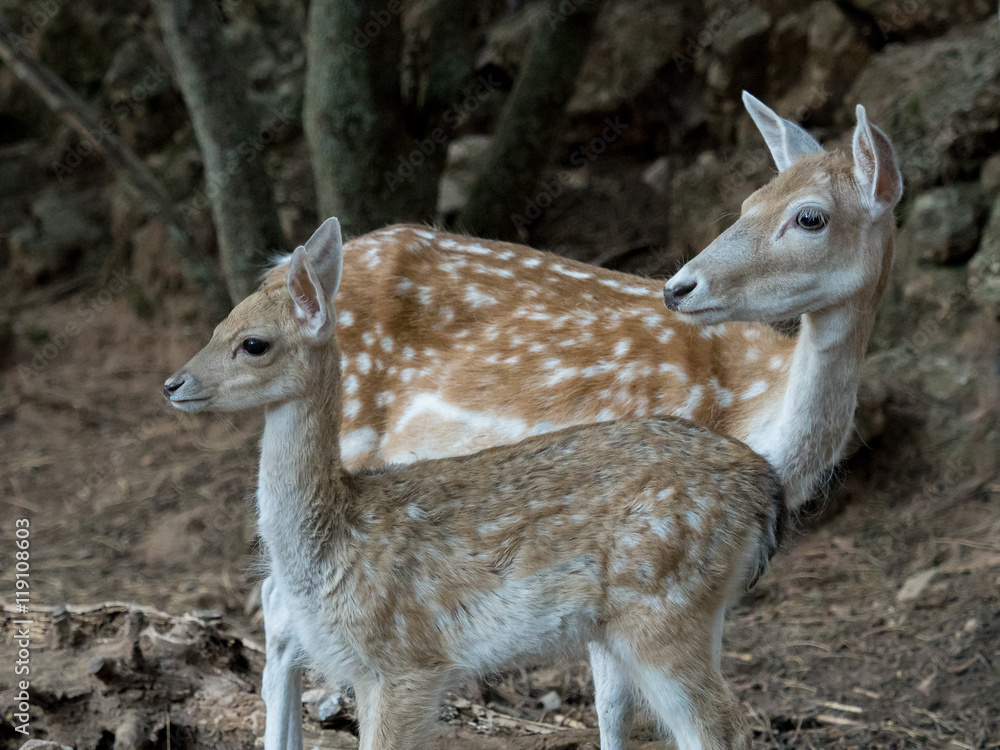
point(259, 353)
point(819, 234)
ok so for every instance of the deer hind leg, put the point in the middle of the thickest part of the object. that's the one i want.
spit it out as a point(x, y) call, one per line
point(614, 696)
point(281, 686)
point(684, 687)
point(398, 713)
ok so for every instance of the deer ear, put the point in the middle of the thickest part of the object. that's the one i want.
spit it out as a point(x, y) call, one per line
point(325, 250)
point(876, 168)
point(311, 306)
point(786, 140)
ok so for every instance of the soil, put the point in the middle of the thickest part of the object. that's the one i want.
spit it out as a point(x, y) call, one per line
point(878, 625)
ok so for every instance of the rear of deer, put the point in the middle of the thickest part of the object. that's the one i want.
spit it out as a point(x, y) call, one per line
point(625, 538)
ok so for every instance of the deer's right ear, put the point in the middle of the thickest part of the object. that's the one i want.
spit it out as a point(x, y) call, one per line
point(785, 140)
point(325, 250)
point(306, 290)
point(876, 168)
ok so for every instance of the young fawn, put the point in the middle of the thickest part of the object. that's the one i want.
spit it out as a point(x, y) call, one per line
point(452, 344)
point(628, 537)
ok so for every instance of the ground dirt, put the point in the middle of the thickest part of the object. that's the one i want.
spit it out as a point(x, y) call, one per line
point(878, 626)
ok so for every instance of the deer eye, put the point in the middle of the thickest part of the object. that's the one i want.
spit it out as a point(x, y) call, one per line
point(812, 219)
point(255, 347)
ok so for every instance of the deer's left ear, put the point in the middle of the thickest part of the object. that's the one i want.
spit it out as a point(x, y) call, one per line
point(311, 305)
point(786, 141)
point(325, 250)
point(876, 168)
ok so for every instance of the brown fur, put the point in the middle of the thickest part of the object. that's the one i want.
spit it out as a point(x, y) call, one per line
point(462, 337)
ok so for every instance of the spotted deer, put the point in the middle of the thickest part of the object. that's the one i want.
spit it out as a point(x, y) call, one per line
point(452, 344)
point(629, 537)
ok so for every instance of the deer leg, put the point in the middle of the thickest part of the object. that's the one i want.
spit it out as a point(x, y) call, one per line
point(614, 697)
point(281, 687)
point(693, 701)
point(397, 713)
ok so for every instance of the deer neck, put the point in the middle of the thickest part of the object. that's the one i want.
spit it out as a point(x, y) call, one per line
point(814, 416)
point(302, 497)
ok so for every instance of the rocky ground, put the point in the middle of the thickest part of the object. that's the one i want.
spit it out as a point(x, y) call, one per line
point(877, 627)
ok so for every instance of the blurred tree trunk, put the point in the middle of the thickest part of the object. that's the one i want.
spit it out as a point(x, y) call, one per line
point(239, 191)
point(532, 119)
point(376, 157)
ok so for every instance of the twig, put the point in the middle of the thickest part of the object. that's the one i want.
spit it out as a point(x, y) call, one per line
point(968, 543)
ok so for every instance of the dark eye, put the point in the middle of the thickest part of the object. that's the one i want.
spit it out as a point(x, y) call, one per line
point(255, 347)
point(812, 219)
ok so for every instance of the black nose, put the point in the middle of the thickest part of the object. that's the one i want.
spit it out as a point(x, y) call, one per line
point(172, 385)
point(672, 295)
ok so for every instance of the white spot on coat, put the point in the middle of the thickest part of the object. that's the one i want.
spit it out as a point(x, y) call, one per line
point(358, 442)
point(756, 388)
point(477, 298)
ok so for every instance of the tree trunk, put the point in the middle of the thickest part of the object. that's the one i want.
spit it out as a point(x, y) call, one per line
point(353, 114)
point(239, 191)
point(531, 120)
point(378, 159)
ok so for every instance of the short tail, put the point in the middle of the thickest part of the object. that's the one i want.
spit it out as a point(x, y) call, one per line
point(773, 520)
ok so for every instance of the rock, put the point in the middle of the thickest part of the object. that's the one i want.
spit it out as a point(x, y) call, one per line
point(132, 733)
point(984, 268)
point(507, 39)
point(550, 701)
point(710, 189)
point(633, 40)
point(832, 54)
point(329, 707)
point(460, 172)
point(938, 100)
point(989, 177)
point(908, 17)
point(914, 586)
point(44, 745)
point(943, 224)
point(52, 245)
point(36, 260)
point(322, 704)
point(657, 175)
point(735, 45)
point(59, 235)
